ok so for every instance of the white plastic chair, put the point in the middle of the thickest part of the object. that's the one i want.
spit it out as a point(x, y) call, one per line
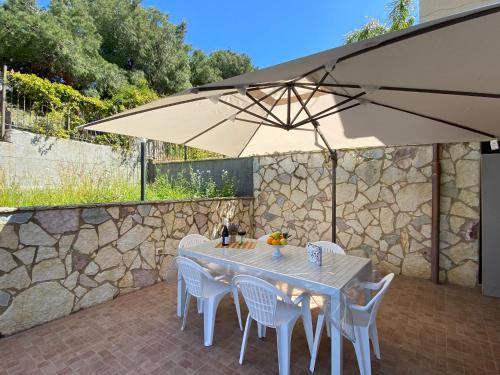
point(202, 285)
point(192, 240)
point(330, 247)
point(270, 307)
point(364, 326)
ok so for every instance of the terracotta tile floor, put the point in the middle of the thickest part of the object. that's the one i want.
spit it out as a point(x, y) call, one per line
point(423, 328)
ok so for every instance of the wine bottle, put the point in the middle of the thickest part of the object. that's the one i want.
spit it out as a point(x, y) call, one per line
point(225, 233)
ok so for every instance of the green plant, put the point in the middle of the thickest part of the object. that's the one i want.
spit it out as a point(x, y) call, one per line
point(228, 185)
point(400, 17)
point(210, 188)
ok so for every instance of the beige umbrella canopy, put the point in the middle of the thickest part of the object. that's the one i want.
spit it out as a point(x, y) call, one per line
point(435, 82)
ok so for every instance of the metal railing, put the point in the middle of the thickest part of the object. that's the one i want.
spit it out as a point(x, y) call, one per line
point(20, 111)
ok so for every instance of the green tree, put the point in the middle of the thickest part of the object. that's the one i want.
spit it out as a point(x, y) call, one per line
point(218, 65)
point(60, 43)
point(400, 17)
point(202, 71)
point(142, 39)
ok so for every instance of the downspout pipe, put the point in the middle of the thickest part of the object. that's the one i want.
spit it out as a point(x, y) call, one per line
point(436, 212)
point(333, 158)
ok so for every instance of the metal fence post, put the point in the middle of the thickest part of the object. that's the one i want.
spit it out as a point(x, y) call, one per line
point(4, 100)
point(143, 168)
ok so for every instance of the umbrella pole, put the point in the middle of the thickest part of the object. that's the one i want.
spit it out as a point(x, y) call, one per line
point(333, 158)
point(143, 169)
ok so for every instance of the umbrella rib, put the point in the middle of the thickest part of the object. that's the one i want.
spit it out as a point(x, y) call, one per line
point(322, 136)
point(413, 89)
point(123, 115)
point(249, 112)
point(251, 87)
point(205, 131)
point(314, 122)
point(249, 139)
point(262, 123)
point(454, 124)
point(446, 122)
point(227, 118)
point(257, 122)
point(119, 116)
point(269, 112)
point(444, 92)
point(318, 115)
point(303, 105)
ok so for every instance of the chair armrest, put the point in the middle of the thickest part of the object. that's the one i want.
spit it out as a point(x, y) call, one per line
point(358, 307)
point(371, 286)
point(207, 274)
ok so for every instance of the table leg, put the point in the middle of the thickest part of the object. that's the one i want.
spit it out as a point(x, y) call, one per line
point(336, 336)
point(181, 295)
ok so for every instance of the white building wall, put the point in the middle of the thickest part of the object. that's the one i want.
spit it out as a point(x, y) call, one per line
point(432, 9)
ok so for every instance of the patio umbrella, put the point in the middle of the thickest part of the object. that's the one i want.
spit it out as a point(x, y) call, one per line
point(435, 82)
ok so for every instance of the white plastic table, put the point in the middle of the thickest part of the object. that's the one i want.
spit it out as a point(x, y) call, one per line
point(293, 268)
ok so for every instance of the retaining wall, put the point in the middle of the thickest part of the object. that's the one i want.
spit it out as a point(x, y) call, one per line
point(58, 260)
point(33, 159)
point(383, 205)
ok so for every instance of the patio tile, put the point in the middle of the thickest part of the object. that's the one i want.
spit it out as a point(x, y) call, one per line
point(423, 328)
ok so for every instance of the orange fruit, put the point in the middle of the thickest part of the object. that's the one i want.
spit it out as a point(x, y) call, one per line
point(270, 241)
point(276, 242)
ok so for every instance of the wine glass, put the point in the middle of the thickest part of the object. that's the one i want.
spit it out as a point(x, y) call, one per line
point(241, 233)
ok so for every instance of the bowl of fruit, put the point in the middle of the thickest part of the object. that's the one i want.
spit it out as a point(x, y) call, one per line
point(277, 240)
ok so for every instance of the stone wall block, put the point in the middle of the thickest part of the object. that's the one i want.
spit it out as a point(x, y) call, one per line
point(86, 241)
point(51, 269)
point(32, 234)
point(96, 215)
point(59, 221)
point(39, 304)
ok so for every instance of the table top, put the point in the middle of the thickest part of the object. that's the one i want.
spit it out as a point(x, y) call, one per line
point(292, 267)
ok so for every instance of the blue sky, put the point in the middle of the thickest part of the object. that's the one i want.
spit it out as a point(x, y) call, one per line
point(270, 31)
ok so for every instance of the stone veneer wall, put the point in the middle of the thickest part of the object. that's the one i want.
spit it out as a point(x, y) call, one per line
point(383, 205)
point(58, 260)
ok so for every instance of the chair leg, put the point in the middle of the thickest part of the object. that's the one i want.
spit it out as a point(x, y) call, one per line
point(199, 304)
point(209, 311)
point(284, 336)
point(261, 330)
point(317, 340)
point(245, 339)
point(374, 339)
point(307, 320)
point(363, 350)
point(236, 301)
point(186, 309)
point(359, 353)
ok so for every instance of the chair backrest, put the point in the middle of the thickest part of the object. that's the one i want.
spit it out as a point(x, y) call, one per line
point(261, 298)
point(193, 275)
point(263, 238)
point(374, 304)
point(330, 247)
point(192, 240)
